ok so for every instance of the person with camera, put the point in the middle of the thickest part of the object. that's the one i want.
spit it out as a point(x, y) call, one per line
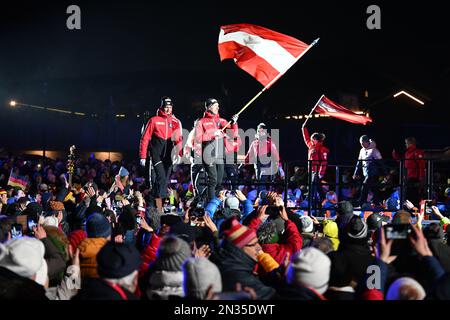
point(317, 161)
point(161, 143)
point(370, 162)
point(263, 154)
point(214, 139)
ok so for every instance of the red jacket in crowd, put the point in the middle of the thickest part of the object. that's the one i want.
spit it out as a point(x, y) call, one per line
point(208, 125)
point(162, 132)
point(278, 251)
point(414, 163)
point(317, 153)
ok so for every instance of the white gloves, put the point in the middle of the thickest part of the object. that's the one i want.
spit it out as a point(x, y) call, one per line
point(234, 118)
point(217, 133)
point(142, 162)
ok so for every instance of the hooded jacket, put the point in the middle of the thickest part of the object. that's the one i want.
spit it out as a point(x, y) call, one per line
point(369, 160)
point(89, 249)
point(162, 133)
point(208, 125)
point(16, 287)
point(317, 153)
point(414, 163)
point(236, 266)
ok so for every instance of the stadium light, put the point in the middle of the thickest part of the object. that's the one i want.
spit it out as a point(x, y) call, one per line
point(12, 103)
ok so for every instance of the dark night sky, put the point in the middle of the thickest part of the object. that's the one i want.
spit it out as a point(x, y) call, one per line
point(130, 53)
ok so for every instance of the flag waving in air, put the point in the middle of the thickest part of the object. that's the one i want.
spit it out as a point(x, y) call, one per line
point(264, 54)
point(17, 181)
point(330, 108)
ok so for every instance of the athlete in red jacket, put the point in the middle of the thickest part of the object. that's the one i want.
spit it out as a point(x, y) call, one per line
point(213, 147)
point(415, 169)
point(263, 154)
point(318, 159)
point(162, 142)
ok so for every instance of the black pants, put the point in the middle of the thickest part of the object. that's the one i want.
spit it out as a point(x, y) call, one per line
point(369, 184)
point(215, 176)
point(232, 174)
point(413, 190)
point(199, 179)
point(163, 170)
point(315, 193)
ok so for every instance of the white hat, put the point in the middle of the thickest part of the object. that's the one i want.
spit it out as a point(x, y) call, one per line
point(23, 256)
point(199, 274)
point(51, 221)
point(307, 224)
point(232, 202)
point(310, 268)
point(395, 290)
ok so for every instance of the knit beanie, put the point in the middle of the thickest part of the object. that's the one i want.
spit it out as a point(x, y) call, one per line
point(232, 203)
point(199, 274)
point(307, 224)
point(405, 288)
point(56, 205)
point(97, 226)
point(51, 221)
point(172, 253)
point(310, 268)
point(238, 234)
point(209, 102)
point(357, 228)
point(23, 256)
point(117, 260)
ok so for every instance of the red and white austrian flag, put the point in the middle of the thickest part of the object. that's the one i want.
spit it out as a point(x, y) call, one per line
point(263, 53)
point(332, 109)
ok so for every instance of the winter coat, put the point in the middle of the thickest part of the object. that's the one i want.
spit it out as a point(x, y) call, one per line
point(15, 287)
point(414, 163)
point(164, 285)
point(98, 289)
point(441, 251)
point(317, 153)
point(350, 262)
point(162, 132)
point(89, 249)
point(236, 266)
point(278, 251)
point(207, 126)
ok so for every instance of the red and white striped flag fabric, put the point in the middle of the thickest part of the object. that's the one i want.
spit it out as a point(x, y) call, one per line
point(263, 53)
point(332, 109)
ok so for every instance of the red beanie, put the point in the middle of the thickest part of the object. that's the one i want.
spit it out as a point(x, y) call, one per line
point(75, 238)
point(239, 235)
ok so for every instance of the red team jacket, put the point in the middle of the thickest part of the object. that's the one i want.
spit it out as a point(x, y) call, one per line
point(206, 126)
point(414, 163)
point(256, 150)
point(318, 154)
point(162, 132)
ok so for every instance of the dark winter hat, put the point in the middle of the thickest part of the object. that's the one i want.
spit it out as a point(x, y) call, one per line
point(172, 253)
point(209, 102)
point(357, 228)
point(166, 101)
point(344, 208)
point(401, 217)
point(117, 260)
point(318, 136)
point(364, 138)
point(375, 220)
point(97, 226)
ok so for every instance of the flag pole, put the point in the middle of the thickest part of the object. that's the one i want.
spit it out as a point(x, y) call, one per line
point(312, 110)
point(272, 82)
